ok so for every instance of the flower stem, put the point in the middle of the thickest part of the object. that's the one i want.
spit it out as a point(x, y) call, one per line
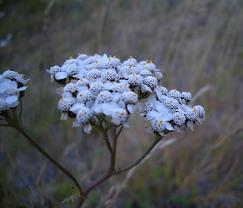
point(111, 170)
point(54, 162)
point(107, 141)
point(137, 162)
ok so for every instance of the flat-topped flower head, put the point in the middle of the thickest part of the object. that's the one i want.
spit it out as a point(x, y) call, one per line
point(102, 87)
point(12, 86)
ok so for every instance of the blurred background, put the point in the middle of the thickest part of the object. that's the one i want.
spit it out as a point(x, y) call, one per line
point(198, 45)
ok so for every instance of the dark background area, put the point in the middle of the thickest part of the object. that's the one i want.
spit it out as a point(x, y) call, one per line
point(197, 44)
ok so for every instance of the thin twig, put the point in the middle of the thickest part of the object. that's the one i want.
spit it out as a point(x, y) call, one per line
point(54, 162)
point(151, 147)
point(107, 141)
point(119, 132)
point(20, 112)
point(110, 171)
point(105, 136)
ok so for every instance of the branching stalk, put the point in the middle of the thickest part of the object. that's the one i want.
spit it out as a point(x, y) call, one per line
point(54, 162)
point(17, 124)
point(111, 144)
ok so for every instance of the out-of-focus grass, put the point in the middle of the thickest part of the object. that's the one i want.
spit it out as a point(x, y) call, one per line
point(190, 175)
point(196, 43)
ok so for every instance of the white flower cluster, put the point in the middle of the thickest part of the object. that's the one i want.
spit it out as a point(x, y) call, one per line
point(168, 111)
point(12, 86)
point(98, 86)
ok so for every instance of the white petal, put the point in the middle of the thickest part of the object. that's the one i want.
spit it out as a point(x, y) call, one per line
point(81, 88)
point(97, 108)
point(108, 85)
point(12, 101)
point(167, 117)
point(168, 126)
point(116, 97)
point(152, 115)
point(6, 84)
point(82, 73)
point(122, 104)
point(158, 92)
point(161, 108)
point(22, 80)
point(60, 75)
point(22, 88)
point(116, 121)
point(107, 109)
point(131, 108)
point(76, 107)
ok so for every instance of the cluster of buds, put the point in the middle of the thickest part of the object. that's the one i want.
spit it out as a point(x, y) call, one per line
point(12, 87)
point(169, 111)
point(99, 87)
